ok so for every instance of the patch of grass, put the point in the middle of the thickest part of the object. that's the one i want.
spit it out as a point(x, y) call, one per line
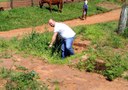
point(34, 16)
point(25, 81)
point(22, 80)
point(115, 67)
point(5, 55)
point(8, 45)
point(3, 44)
point(107, 46)
point(37, 44)
point(21, 68)
point(4, 73)
point(4, 0)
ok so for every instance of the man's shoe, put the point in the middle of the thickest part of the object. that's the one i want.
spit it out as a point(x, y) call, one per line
point(81, 18)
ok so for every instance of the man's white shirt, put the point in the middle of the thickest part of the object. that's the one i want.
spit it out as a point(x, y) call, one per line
point(64, 30)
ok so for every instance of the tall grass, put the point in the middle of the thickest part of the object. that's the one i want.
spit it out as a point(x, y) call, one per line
point(37, 44)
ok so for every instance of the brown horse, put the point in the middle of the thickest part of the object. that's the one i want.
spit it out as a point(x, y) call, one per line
point(59, 4)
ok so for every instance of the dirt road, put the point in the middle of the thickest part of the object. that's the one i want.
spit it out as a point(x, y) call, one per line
point(105, 17)
point(65, 77)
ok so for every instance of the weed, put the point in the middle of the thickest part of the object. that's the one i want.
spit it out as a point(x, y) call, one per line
point(24, 81)
point(4, 73)
point(21, 68)
point(6, 55)
point(90, 64)
point(126, 77)
point(3, 43)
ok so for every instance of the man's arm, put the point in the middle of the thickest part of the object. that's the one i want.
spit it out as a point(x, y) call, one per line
point(53, 39)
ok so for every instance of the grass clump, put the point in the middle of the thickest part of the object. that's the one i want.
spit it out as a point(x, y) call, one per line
point(22, 80)
point(37, 44)
point(106, 46)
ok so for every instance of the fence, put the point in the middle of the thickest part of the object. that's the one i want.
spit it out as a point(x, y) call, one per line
point(8, 4)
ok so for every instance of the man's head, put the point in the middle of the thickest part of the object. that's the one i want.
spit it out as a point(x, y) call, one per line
point(51, 22)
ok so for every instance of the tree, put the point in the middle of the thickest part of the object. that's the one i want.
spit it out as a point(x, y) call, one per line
point(123, 22)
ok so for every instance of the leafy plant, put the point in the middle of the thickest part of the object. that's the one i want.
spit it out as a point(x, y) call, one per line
point(115, 68)
point(90, 64)
point(25, 81)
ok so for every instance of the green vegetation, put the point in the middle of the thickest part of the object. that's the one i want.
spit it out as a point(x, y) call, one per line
point(21, 80)
point(37, 44)
point(125, 34)
point(34, 16)
point(106, 46)
point(4, 0)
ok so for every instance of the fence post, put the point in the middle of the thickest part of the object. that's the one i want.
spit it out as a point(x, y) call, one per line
point(11, 4)
point(32, 3)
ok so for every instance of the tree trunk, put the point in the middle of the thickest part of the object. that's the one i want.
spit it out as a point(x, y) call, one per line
point(123, 22)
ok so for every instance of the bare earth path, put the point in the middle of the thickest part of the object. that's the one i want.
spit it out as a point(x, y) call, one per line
point(109, 16)
point(67, 77)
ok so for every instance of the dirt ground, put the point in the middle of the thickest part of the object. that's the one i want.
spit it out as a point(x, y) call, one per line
point(105, 17)
point(68, 78)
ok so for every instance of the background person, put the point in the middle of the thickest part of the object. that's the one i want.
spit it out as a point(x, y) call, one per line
point(85, 10)
point(67, 35)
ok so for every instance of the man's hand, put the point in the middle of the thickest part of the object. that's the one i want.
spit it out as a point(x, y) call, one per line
point(50, 46)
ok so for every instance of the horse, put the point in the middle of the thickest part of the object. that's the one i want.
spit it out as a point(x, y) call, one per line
point(59, 4)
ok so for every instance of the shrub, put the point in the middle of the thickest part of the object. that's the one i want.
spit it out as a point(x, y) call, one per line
point(90, 63)
point(115, 67)
point(25, 81)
